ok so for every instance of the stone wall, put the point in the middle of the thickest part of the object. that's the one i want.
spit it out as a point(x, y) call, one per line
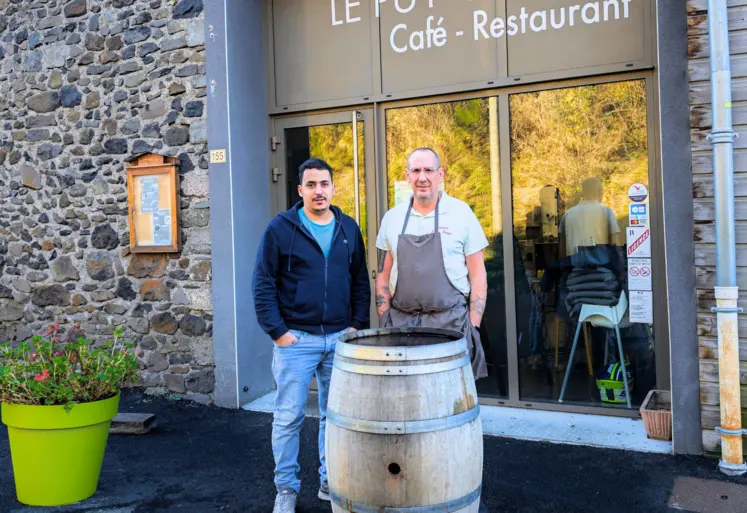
point(85, 84)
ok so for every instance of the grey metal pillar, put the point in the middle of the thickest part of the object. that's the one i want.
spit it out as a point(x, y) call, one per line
point(677, 224)
point(239, 193)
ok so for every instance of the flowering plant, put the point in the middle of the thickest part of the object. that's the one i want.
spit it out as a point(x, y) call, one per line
point(50, 371)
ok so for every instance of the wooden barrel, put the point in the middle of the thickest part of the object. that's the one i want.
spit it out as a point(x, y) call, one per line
point(403, 423)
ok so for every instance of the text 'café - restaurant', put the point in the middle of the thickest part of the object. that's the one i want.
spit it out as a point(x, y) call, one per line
point(551, 122)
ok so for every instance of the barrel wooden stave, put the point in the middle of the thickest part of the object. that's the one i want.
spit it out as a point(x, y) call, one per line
point(407, 398)
point(435, 467)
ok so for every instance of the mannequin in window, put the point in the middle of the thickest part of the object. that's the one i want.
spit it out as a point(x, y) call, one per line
point(589, 223)
point(590, 238)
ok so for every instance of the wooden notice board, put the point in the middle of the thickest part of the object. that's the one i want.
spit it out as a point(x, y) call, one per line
point(153, 202)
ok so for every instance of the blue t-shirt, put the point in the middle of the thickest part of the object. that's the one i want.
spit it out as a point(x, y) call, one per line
point(322, 232)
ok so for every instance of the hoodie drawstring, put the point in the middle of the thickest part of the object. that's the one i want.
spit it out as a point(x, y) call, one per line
point(349, 244)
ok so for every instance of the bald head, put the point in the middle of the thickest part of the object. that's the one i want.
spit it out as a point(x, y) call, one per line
point(424, 151)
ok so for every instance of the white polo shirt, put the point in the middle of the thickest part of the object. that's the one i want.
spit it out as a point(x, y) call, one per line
point(461, 236)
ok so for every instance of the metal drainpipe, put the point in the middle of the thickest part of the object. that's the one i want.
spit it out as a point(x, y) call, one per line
point(722, 138)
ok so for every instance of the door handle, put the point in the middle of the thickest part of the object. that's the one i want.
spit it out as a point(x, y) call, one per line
point(356, 178)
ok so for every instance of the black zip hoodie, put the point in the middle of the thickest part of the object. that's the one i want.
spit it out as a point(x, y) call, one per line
point(296, 287)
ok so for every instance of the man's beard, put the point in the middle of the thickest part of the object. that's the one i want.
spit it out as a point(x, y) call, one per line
point(317, 208)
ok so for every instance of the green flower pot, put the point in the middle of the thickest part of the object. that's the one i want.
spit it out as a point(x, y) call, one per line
point(57, 455)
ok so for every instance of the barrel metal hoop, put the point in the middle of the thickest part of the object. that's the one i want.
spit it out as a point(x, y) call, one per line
point(404, 370)
point(401, 353)
point(444, 507)
point(403, 428)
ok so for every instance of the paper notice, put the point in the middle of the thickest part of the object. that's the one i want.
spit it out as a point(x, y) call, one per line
point(639, 274)
point(402, 192)
point(641, 307)
point(639, 242)
point(162, 228)
point(148, 194)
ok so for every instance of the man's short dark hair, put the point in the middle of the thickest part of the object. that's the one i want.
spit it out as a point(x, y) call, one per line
point(313, 163)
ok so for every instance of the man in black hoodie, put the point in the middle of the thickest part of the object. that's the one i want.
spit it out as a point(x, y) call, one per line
point(310, 286)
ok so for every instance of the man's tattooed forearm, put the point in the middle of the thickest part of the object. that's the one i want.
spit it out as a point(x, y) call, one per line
point(477, 305)
point(383, 297)
point(382, 259)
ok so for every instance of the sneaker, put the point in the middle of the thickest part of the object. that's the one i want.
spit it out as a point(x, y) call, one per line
point(285, 501)
point(324, 492)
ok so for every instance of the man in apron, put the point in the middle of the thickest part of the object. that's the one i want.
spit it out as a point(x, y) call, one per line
point(431, 269)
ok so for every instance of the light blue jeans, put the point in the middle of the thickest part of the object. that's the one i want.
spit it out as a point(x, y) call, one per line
point(293, 368)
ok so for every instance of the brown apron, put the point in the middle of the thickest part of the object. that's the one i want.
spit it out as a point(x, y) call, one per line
point(425, 297)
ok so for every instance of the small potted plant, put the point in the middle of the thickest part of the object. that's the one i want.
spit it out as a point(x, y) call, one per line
point(58, 398)
point(656, 412)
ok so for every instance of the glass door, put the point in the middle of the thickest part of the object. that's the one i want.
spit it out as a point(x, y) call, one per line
point(465, 135)
point(559, 180)
point(345, 141)
point(579, 164)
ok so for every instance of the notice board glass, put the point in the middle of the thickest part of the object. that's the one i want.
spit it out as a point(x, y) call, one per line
point(153, 190)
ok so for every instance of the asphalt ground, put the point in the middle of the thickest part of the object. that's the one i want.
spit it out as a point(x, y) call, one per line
point(204, 459)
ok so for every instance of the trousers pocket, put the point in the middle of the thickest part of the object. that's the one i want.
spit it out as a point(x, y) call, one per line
point(299, 336)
